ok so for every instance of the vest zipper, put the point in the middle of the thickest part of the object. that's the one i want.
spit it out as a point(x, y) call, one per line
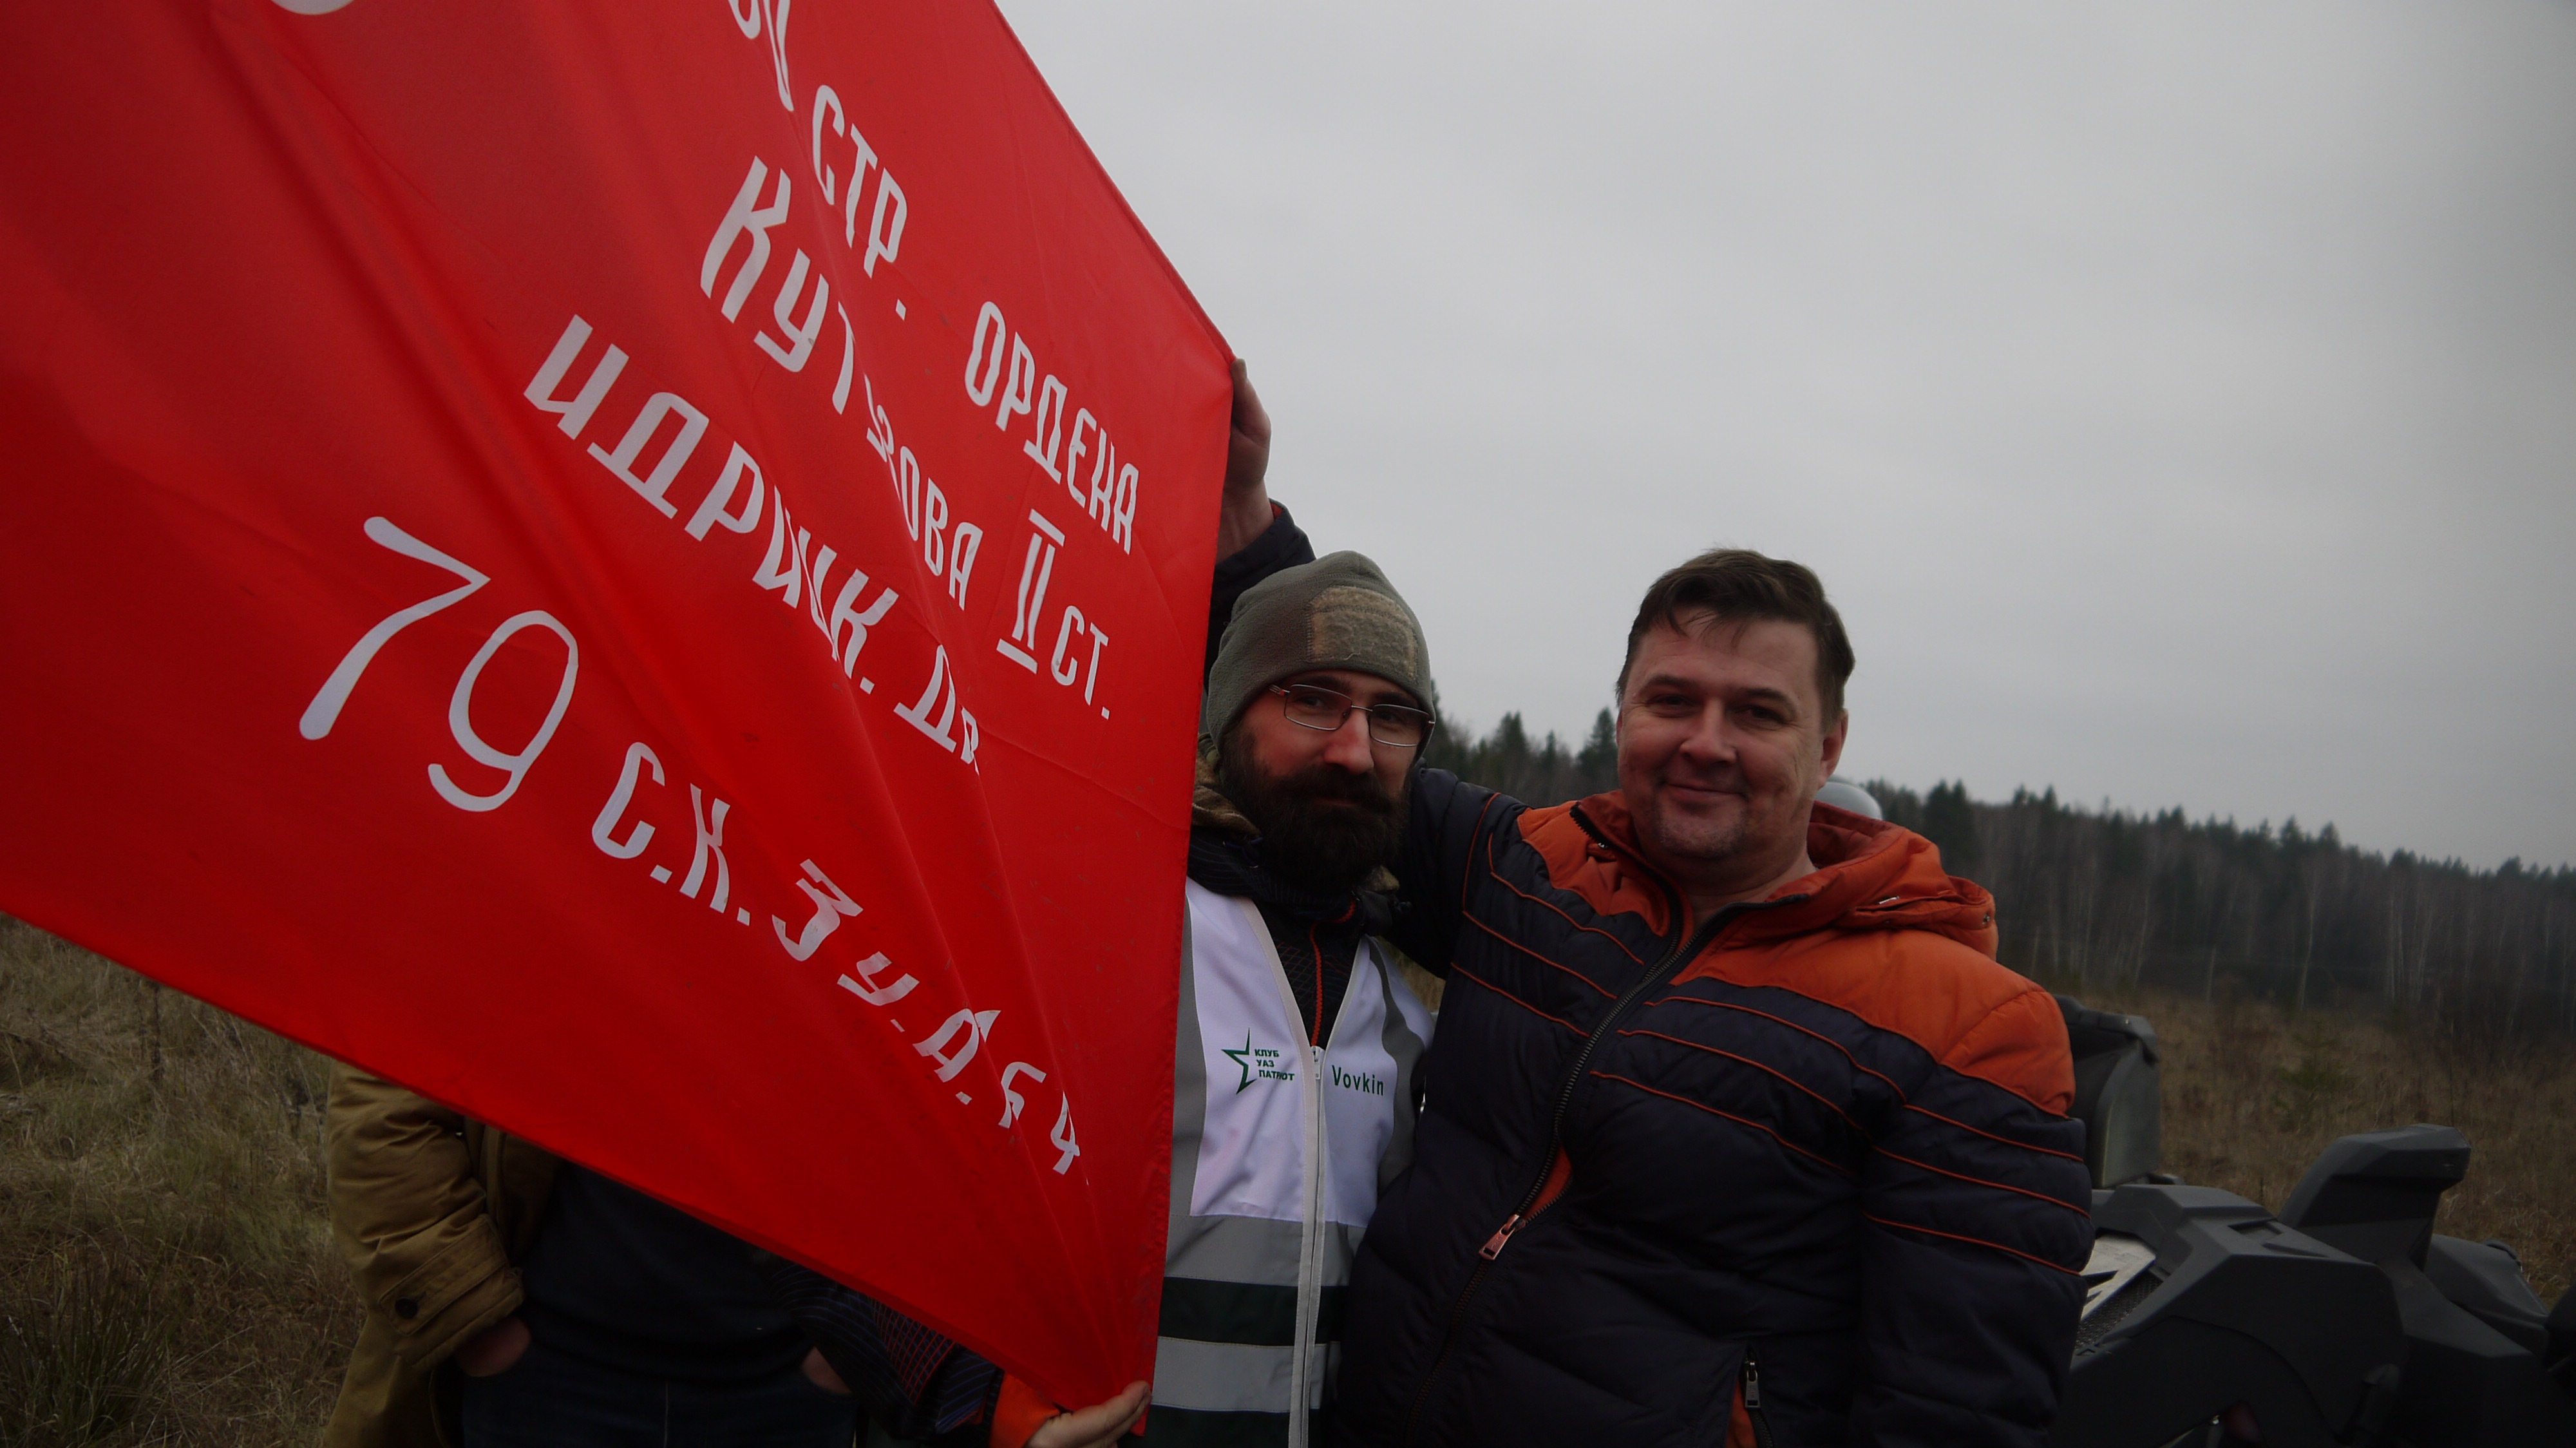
point(1684, 946)
point(1310, 1252)
point(1751, 1381)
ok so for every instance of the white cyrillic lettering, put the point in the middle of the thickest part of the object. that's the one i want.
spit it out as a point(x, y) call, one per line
point(986, 358)
point(1033, 596)
point(862, 156)
point(1012, 1101)
point(885, 224)
point(576, 413)
point(830, 904)
point(1015, 391)
point(637, 754)
point(827, 101)
point(845, 611)
point(693, 425)
point(917, 713)
point(1062, 1137)
point(849, 361)
point(1035, 570)
point(1104, 481)
point(871, 992)
point(962, 548)
point(1068, 629)
point(1073, 450)
point(711, 509)
point(460, 721)
point(814, 576)
point(976, 1024)
point(1050, 414)
point(743, 220)
point(783, 570)
point(934, 526)
point(710, 825)
point(1091, 680)
point(778, 50)
point(1122, 523)
point(800, 340)
point(907, 487)
point(880, 427)
point(324, 710)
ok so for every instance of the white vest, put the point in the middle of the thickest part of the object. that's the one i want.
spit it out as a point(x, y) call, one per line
point(1279, 1149)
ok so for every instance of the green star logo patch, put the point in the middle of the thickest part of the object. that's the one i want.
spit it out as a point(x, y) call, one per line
point(1242, 1059)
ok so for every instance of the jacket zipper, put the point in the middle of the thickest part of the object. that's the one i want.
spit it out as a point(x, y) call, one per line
point(1751, 1379)
point(1685, 946)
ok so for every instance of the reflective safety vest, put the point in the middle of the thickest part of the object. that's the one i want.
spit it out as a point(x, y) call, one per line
point(1279, 1150)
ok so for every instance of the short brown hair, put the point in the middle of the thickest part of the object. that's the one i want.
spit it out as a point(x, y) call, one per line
point(1738, 585)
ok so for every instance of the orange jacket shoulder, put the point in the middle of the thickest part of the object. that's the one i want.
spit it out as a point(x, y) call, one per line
point(1970, 1014)
point(1578, 863)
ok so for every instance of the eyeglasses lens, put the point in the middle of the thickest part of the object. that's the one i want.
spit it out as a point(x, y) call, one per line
point(1388, 723)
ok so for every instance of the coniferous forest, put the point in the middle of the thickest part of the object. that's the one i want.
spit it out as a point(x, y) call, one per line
point(2110, 897)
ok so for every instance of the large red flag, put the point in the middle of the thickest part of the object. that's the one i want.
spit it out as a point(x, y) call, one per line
point(636, 566)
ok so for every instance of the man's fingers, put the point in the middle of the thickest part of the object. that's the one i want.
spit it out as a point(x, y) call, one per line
point(1249, 417)
point(1244, 511)
point(1097, 1426)
point(819, 1372)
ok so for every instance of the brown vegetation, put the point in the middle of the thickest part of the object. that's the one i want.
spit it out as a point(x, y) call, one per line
point(166, 1276)
point(2252, 1092)
point(165, 1272)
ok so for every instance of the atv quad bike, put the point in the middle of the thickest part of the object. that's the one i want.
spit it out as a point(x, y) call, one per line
point(2344, 1319)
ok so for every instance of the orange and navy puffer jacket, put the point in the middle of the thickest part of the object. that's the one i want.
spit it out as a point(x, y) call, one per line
point(1799, 1173)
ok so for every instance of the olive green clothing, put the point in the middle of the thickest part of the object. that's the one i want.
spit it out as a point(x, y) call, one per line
point(1338, 612)
point(432, 1212)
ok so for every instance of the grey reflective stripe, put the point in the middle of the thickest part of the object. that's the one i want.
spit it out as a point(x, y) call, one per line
point(1253, 1249)
point(1192, 1428)
point(1225, 1377)
point(1233, 1249)
point(1189, 1097)
point(1222, 1377)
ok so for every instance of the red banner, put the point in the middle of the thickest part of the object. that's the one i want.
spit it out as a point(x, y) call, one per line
point(638, 568)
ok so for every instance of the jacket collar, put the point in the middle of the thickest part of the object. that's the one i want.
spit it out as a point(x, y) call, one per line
point(1869, 875)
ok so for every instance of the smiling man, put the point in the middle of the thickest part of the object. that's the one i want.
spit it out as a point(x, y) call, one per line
point(1736, 1130)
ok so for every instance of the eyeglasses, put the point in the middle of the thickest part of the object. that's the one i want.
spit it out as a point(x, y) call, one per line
point(1317, 707)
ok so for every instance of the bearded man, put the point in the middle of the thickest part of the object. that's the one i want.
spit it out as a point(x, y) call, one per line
point(1295, 1073)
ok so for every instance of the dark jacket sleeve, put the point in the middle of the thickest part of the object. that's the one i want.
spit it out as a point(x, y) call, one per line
point(1448, 818)
point(1282, 545)
point(1975, 1227)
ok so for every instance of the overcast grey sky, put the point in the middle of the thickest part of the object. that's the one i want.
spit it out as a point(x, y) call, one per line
point(2179, 399)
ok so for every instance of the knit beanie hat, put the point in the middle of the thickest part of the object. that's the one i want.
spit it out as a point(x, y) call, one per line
point(1338, 612)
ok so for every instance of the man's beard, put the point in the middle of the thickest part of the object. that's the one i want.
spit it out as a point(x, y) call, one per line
point(1315, 844)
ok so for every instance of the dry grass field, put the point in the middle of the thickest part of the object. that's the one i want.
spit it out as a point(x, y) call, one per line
point(2252, 1094)
point(166, 1277)
point(165, 1273)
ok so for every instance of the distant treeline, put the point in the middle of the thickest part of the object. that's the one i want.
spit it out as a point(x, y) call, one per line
point(2087, 896)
